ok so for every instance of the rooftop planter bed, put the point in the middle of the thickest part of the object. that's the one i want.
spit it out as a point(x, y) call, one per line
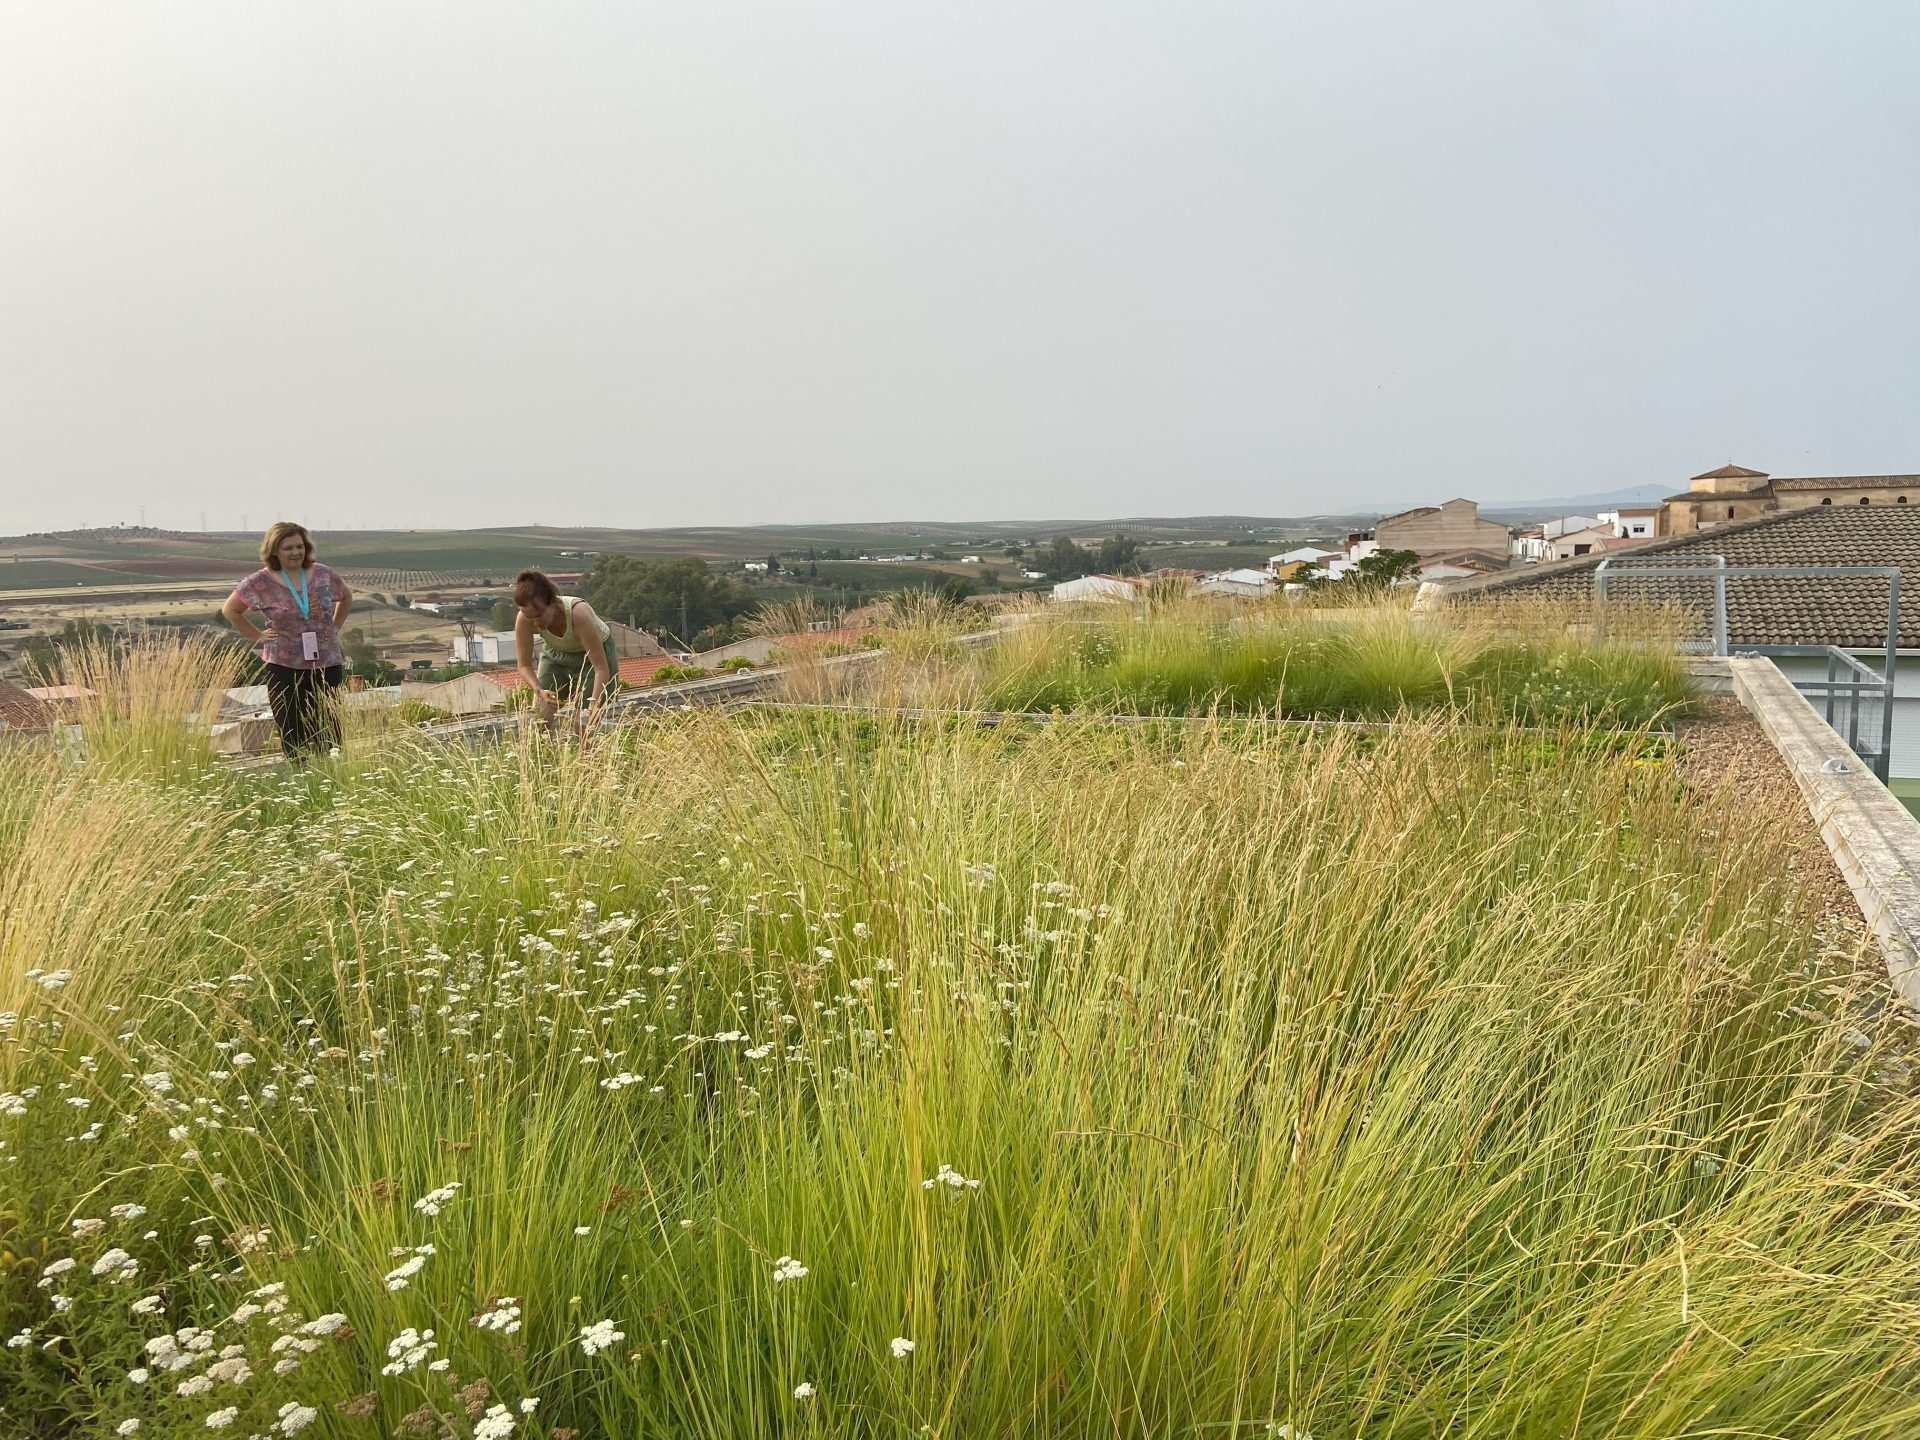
point(809, 1073)
point(1298, 663)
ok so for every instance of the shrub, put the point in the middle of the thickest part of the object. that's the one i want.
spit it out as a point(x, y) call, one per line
point(673, 674)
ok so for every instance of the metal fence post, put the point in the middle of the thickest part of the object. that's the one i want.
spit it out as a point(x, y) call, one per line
point(1885, 767)
point(1720, 606)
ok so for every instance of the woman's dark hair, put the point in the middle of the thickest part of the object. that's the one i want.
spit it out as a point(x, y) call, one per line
point(531, 585)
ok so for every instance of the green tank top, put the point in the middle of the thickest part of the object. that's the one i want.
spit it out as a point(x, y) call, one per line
point(568, 641)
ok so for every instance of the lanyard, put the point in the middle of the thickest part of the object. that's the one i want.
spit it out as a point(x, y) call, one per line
point(299, 595)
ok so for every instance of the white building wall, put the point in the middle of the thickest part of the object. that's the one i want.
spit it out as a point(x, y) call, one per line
point(1905, 742)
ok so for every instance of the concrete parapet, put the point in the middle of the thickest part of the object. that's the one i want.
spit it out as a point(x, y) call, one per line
point(1874, 840)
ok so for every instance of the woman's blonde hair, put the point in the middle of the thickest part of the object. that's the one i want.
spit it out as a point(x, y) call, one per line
point(276, 532)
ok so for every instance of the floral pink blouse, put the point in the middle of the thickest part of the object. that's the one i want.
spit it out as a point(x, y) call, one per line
point(265, 592)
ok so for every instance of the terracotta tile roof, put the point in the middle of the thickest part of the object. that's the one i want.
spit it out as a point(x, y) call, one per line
point(21, 711)
point(1849, 482)
point(506, 679)
point(1834, 611)
point(639, 670)
point(1731, 472)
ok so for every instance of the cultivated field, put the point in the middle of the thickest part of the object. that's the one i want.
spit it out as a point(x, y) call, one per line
point(807, 1072)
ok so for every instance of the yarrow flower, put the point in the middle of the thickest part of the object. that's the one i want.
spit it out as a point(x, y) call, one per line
point(118, 1264)
point(950, 1177)
point(430, 1203)
point(600, 1336)
point(148, 1305)
point(788, 1268)
point(127, 1427)
point(295, 1416)
point(803, 1391)
point(902, 1347)
point(220, 1419)
point(407, 1349)
point(503, 1315)
point(398, 1277)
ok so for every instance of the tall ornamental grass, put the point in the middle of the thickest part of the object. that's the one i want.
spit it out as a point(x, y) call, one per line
point(823, 1075)
point(1365, 662)
point(154, 695)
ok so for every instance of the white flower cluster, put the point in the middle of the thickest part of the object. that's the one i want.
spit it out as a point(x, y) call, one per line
point(788, 1268)
point(600, 1336)
point(496, 1424)
point(117, 1265)
point(951, 1178)
point(503, 1316)
point(295, 1416)
point(901, 1346)
point(407, 1350)
point(430, 1203)
point(397, 1278)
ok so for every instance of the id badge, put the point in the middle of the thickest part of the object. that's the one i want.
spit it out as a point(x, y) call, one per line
point(309, 645)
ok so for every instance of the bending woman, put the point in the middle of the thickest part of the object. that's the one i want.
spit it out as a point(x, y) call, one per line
point(303, 603)
point(576, 645)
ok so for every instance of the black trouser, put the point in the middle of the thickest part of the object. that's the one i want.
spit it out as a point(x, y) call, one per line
point(303, 708)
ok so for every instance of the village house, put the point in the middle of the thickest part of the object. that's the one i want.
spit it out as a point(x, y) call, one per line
point(22, 713)
point(1104, 588)
point(1245, 583)
point(1434, 529)
point(1308, 555)
point(1640, 522)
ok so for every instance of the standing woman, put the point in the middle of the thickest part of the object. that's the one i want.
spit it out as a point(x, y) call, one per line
point(303, 603)
point(576, 645)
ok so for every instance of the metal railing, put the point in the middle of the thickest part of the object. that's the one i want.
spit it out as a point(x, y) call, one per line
point(1845, 700)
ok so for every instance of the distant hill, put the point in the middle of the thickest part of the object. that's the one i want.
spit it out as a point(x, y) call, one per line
point(1579, 504)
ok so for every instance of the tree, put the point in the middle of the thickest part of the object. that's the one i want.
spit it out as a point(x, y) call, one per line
point(671, 597)
point(1014, 549)
point(1118, 555)
point(1387, 567)
point(501, 616)
point(1378, 571)
point(40, 657)
point(363, 660)
point(773, 566)
point(956, 590)
point(1064, 560)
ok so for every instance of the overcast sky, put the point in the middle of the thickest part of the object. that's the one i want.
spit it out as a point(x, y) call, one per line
point(627, 263)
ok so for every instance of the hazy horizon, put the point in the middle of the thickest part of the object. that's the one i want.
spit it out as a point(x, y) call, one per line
point(739, 264)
